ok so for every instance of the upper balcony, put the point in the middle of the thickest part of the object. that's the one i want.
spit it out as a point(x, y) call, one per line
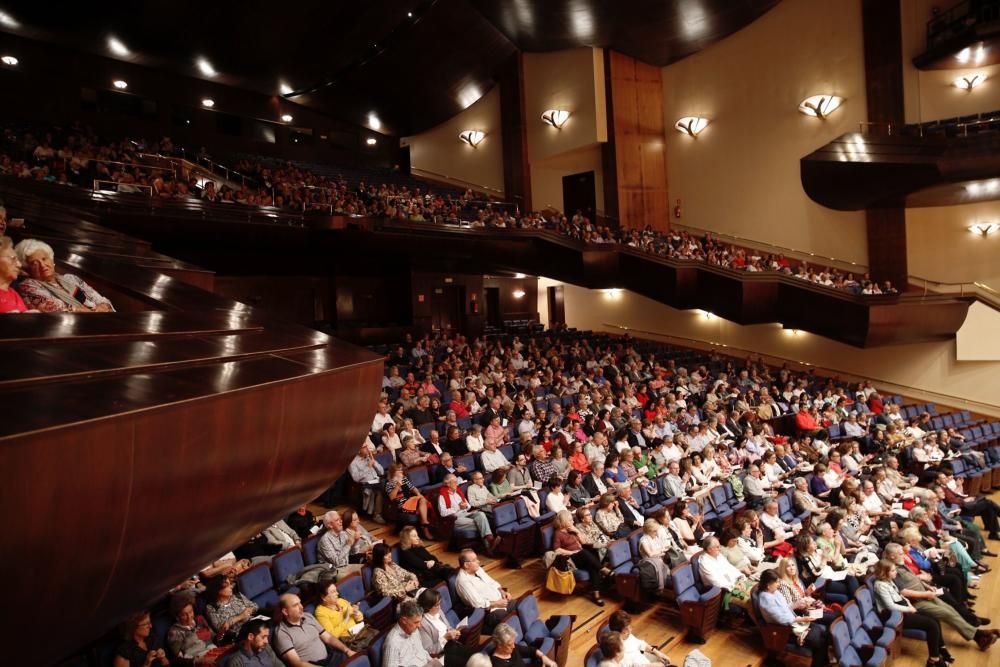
point(965, 35)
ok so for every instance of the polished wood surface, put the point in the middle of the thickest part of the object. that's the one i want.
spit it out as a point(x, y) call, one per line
point(142, 444)
point(514, 133)
point(636, 121)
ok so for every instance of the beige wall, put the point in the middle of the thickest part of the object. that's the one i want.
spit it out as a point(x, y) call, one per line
point(741, 175)
point(930, 367)
point(978, 338)
point(940, 246)
point(930, 94)
point(438, 151)
point(571, 80)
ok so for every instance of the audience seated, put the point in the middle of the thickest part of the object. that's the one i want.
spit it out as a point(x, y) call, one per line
point(299, 639)
point(570, 543)
point(334, 613)
point(336, 544)
point(227, 609)
point(139, 648)
point(438, 637)
point(508, 653)
point(415, 557)
point(50, 292)
point(479, 590)
point(253, 646)
point(388, 578)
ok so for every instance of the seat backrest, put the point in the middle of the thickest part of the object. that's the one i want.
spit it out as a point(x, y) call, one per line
point(784, 504)
point(467, 460)
point(852, 615)
point(288, 562)
point(637, 496)
point(420, 476)
point(834, 430)
point(515, 623)
point(594, 657)
point(309, 548)
point(375, 649)
point(840, 634)
point(352, 588)
point(864, 599)
point(683, 578)
point(256, 580)
point(633, 543)
point(619, 553)
point(508, 452)
point(548, 531)
point(504, 513)
point(527, 609)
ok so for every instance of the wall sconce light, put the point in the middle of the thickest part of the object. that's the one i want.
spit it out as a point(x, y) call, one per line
point(519, 294)
point(371, 141)
point(120, 84)
point(792, 332)
point(556, 117)
point(472, 137)
point(10, 61)
point(286, 118)
point(208, 103)
point(614, 293)
point(984, 228)
point(820, 106)
point(691, 125)
point(704, 313)
point(969, 81)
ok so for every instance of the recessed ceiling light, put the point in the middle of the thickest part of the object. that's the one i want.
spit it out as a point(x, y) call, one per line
point(287, 118)
point(9, 60)
point(371, 141)
point(8, 21)
point(409, 15)
point(284, 88)
point(373, 121)
point(205, 67)
point(120, 84)
point(117, 47)
point(208, 102)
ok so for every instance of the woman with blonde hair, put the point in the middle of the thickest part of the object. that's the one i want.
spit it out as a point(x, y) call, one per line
point(568, 542)
point(888, 599)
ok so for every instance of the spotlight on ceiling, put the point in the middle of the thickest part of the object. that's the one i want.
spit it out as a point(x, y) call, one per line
point(374, 122)
point(205, 67)
point(691, 125)
point(371, 141)
point(287, 118)
point(120, 84)
point(472, 137)
point(984, 228)
point(969, 81)
point(284, 88)
point(820, 106)
point(8, 21)
point(10, 61)
point(118, 48)
point(208, 103)
point(555, 117)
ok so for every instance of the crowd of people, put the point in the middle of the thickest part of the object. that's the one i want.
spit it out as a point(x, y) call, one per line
point(76, 156)
point(638, 417)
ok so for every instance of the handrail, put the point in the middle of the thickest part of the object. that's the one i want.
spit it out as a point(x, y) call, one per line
point(136, 188)
point(132, 165)
point(477, 186)
point(805, 365)
point(845, 265)
point(980, 291)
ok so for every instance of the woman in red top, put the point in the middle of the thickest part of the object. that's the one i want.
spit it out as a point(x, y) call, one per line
point(10, 266)
point(569, 542)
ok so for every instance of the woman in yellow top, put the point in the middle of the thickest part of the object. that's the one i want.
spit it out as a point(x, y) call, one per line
point(336, 614)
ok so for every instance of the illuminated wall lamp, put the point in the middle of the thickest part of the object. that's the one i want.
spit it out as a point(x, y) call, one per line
point(984, 228)
point(691, 125)
point(820, 106)
point(287, 118)
point(472, 137)
point(10, 61)
point(208, 103)
point(120, 84)
point(967, 83)
point(704, 313)
point(519, 294)
point(614, 293)
point(556, 117)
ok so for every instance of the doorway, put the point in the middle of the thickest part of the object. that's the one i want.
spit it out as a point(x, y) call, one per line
point(493, 318)
point(580, 194)
point(448, 308)
point(557, 307)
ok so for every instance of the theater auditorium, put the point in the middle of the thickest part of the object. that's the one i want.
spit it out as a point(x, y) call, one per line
point(500, 333)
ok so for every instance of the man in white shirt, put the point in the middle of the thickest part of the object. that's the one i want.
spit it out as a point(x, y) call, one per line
point(876, 506)
point(403, 647)
point(479, 590)
point(716, 570)
point(852, 428)
point(382, 417)
point(638, 653)
point(367, 472)
point(771, 519)
point(492, 458)
point(479, 496)
point(673, 481)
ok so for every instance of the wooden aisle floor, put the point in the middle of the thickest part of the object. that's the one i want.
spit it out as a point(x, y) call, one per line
point(726, 648)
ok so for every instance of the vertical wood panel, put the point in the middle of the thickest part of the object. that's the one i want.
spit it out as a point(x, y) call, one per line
point(516, 169)
point(639, 144)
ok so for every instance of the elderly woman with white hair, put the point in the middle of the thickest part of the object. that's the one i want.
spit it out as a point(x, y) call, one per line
point(50, 292)
point(508, 653)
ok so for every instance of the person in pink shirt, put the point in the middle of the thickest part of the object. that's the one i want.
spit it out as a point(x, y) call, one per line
point(10, 266)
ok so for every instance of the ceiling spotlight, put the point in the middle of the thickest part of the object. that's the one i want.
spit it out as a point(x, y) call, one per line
point(555, 117)
point(969, 82)
point(287, 118)
point(984, 228)
point(116, 47)
point(968, 55)
point(284, 88)
point(691, 125)
point(371, 141)
point(8, 21)
point(9, 60)
point(373, 121)
point(208, 102)
point(409, 15)
point(205, 67)
point(120, 84)
point(820, 106)
point(519, 294)
point(472, 137)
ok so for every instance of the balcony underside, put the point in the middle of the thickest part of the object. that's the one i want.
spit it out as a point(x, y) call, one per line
point(856, 172)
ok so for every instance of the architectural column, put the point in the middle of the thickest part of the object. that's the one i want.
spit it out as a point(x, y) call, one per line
point(883, 38)
point(516, 170)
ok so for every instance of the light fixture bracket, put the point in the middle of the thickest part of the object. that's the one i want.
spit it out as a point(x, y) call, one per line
point(555, 117)
point(472, 137)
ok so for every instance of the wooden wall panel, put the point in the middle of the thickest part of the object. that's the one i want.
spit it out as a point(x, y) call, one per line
point(636, 101)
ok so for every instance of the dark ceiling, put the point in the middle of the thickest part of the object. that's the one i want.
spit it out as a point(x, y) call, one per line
point(415, 63)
